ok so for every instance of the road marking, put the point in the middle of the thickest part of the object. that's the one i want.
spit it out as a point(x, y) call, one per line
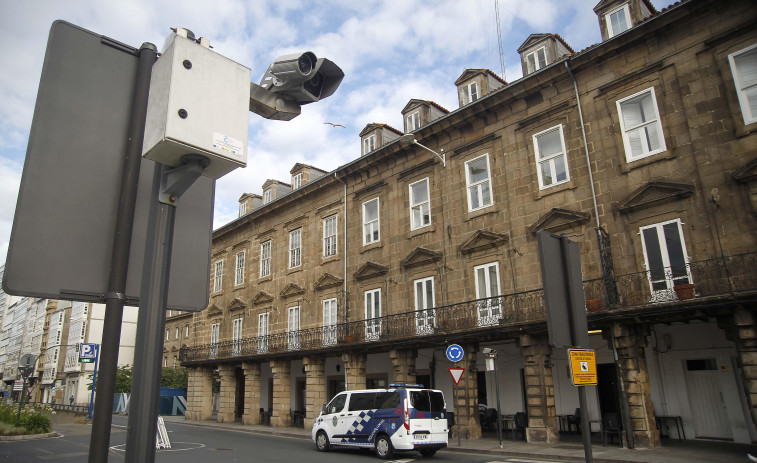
point(63, 455)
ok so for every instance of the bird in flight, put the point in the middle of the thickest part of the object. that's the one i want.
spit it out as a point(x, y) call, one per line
point(335, 125)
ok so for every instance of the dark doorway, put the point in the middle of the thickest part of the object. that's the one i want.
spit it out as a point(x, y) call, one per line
point(607, 389)
point(481, 380)
point(336, 385)
point(299, 397)
point(239, 394)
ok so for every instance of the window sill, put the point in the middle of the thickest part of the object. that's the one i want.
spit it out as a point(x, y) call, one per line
point(421, 231)
point(368, 247)
point(569, 185)
point(240, 287)
point(294, 270)
point(328, 259)
point(645, 161)
point(489, 210)
point(265, 278)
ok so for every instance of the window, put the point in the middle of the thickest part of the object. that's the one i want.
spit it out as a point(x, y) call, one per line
point(293, 328)
point(487, 292)
point(236, 337)
point(372, 314)
point(420, 208)
point(536, 60)
point(329, 322)
point(83, 328)
point(329, 236)
point(479, 183)
point(665, 258)
point(551, 161)
point(424, 305)
point(214, 332)
point(295, 248)
point(186, 330)
point(640, 122)
point(297, 181)
point(242, 209)
point(165, 362)
point(265, 259)
point(168, 336)
point(267, 196)
point(744, 69)
point(371, 221)
point(176, 334)
point(218, 276)
point(618, 21)
point(469, 93)
point(413, 121)
point(369, 144)
point(239, 269)
point(263, 333)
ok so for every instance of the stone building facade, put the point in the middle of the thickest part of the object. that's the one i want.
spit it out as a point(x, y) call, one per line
point(642, 149)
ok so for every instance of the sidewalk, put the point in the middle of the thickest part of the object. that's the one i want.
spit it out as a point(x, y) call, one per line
point(570, 448)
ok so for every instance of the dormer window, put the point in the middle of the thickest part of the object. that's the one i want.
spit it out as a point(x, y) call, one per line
point(413, 121)
point(618, 20)
point(297, 181)
point(242, 209)
point(369, 144)
point(536, 60)
point(470, 93)
point(267, 196)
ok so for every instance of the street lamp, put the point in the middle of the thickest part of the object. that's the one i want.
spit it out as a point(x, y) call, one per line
point(491, 355)
point(409, 138)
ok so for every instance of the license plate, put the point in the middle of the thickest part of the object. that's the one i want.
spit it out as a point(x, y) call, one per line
point(421, 436)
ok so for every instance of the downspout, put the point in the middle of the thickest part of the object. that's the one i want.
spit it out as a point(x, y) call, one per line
point(344, 248)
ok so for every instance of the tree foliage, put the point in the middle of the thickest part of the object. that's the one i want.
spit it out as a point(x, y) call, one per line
point(169, 377)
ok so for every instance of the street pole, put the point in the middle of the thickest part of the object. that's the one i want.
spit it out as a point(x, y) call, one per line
point(499, 419)
point(94, 382)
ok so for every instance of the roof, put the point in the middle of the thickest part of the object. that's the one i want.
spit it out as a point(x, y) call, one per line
point(604, 3)
point(375, 125)
point(468, 73)
point(539, 37)
point(419, 102)
point(300, 166)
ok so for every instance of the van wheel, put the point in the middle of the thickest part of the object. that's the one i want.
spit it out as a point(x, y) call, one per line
point(384, 447)
point(428, 452)
point(322, 441)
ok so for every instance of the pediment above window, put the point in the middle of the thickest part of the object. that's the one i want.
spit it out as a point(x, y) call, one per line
point(174, 349)
point(237, 304)
point(420, 256)
point(214, 311)
point(481, 240)
point(654, 193)
point(165, 349)
point(559, 219)
point(262, 298)
point(746, 174)
point(327, 280)
point(370, 270)
point(292, 289)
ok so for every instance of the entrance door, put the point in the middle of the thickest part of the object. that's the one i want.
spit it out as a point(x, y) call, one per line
point(239, 394)
point(607, 388)
point(706, 400)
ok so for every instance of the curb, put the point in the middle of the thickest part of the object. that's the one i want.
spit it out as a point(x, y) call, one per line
point(29, 436)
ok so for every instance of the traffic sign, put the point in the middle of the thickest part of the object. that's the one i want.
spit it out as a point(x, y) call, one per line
point(87, 353)
point(455, 353)
point(456, 373)
point(18, 385)
point(583, 367)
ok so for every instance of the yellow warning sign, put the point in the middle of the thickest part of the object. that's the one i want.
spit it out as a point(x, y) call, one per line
point(583, 367)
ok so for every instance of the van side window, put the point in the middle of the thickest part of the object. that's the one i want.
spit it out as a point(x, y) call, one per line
point(388, 400)
point(337, 404)
point(362, 401)
point(427, 401)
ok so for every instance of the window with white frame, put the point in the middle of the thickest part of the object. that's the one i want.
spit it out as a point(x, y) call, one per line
point(263, 332)
point(665, 258)
point(293, 328)
point(551, 160)
point(176, 334)
point(420, 205)
point(242, 209)
point(744, 70)
point(618, 20)
point(265, 258)
point(186, 330)
point(413, 121)
point(372, 314)
point(424, 305)
point(267, 196)
point(218, 276)
point(239, 268)
point(369, 143)
point(478, 179)
point(329, 236)
point(329, 322)
point(469, 93)
point(236, 336)
point(295, 248)
point(640, 124)
point(297, 181)
point(168, 335)
point(215, 330)
point(487, 294)
point(536, 60)
point(371, 221)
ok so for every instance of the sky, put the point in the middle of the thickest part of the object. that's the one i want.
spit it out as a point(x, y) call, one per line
point(391, 51)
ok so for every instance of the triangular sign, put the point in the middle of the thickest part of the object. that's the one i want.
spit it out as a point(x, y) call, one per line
point(456, 373)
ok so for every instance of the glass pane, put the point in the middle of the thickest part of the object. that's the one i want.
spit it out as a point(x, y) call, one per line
point(493, 281)
point(429, 295)
point(542, 58)
point(486, 198)
point(477, 170)
point(420, 192)
point(426, 214)
point(531, 62)
point(751, 97)
point(746, 64)
point(480, 283)
point(370, 210)
point(654, 254)
point(546, 173)
point(653, 137)
point(549, 143)
point(632, 113)
point(675, 250)
point(635, 142)
point(561, 172)
point(474, 203)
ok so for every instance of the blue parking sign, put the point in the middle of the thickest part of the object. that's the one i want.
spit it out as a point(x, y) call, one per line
point(87, 353)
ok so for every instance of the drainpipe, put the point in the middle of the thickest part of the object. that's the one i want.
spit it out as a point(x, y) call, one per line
point(344, 248)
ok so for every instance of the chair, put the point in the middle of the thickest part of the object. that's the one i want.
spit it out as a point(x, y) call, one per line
point(490, 419)
point(521, 423)
point(611, 425)
point(574, 421)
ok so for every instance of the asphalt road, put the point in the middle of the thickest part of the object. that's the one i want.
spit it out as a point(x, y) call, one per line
point(193, 444)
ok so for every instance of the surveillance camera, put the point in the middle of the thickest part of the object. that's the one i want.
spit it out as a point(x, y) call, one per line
point(302, 78)
point(487, 350)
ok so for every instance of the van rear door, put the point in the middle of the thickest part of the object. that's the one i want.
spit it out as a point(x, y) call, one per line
point(427, 416)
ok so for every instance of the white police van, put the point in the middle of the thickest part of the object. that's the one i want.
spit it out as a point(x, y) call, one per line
point(403, 417)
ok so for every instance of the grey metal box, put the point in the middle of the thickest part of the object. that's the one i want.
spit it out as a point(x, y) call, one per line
point(198, 104)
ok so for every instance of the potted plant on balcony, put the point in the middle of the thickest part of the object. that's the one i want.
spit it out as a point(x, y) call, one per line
point(593, 305)
point(684, 291)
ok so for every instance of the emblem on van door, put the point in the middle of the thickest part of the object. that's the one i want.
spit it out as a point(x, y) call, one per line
point(334, 421)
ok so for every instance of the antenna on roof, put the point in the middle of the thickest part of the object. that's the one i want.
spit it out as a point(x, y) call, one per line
point(499, 41)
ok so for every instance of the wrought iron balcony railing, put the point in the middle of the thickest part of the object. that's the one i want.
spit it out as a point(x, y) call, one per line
point(696, 279)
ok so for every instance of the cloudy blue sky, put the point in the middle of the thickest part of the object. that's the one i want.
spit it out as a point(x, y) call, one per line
point(390, 50)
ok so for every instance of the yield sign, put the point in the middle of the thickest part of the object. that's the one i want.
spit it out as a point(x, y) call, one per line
point(456, 373)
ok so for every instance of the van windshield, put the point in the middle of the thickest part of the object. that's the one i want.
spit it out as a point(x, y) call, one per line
point(427, 401)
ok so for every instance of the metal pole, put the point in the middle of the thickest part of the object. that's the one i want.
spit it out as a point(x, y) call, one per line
point(499, 419)
point(21, 401)
point(94, 382)
point(99, 442)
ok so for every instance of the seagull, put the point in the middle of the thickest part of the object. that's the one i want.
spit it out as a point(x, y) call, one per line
point(335, 125)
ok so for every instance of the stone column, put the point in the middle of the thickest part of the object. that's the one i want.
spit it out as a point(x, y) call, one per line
point(251, 393)
point(540, 389)
point(315, 387)
point(228, 393)
point(630, 341)
point(403, 365)
point(200, 394)
point(282, 401)
point(741, 328)
point(466, 398)
point(354, 369)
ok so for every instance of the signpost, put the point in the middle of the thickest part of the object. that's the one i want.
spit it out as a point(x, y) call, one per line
point(583, 367)
point(90, 353)
point(455, 353)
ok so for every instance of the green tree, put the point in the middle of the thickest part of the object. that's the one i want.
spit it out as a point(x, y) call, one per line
point(174, 377)
point(123, 379)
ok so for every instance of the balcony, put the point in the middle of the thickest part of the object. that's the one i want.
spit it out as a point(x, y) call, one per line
point(710, 283)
